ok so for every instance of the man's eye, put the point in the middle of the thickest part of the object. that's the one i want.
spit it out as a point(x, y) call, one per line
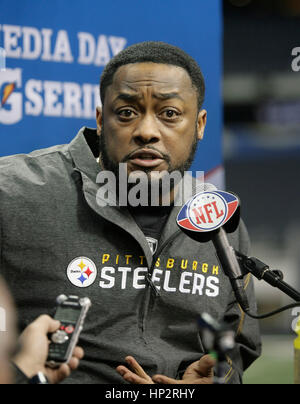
point(170, 114)
point(125, 113)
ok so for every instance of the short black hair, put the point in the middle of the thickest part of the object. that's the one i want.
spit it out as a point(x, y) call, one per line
point(155, 52)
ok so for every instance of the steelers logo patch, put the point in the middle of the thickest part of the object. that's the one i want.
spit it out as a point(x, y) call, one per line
point(82, 272)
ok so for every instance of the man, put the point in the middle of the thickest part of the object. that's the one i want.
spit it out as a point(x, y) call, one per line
point(28, 364)
point(147, 281)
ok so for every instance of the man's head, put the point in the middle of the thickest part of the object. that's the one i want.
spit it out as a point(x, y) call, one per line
point(155, 52)
point(152, 94)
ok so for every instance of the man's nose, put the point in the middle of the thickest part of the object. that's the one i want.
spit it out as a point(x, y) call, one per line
point(147, 130)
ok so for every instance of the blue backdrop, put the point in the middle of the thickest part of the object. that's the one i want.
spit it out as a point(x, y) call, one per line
point(56, 51)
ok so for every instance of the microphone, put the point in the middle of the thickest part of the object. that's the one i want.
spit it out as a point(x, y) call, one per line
point(231, 267)
point(209, 216)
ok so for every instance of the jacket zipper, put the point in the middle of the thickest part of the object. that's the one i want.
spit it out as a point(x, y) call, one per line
point(149, 276)
point(151, 284)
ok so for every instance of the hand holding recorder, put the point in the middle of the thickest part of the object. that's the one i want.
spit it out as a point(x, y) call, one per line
point(31, 360)
point(59, 356)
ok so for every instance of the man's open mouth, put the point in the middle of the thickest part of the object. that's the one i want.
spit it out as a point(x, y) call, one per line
point(146, 158)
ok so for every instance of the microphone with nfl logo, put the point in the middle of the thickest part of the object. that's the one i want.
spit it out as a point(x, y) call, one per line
point(209, 216)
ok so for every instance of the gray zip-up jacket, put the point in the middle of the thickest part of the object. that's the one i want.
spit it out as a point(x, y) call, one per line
point(56, 239)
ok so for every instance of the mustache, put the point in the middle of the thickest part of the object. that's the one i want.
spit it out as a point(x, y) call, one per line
point(164, 155)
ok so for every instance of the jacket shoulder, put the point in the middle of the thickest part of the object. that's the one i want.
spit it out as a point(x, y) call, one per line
point(37, 168)
point(37, 156)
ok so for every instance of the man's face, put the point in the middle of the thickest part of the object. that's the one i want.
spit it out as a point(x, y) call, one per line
point(150, 119)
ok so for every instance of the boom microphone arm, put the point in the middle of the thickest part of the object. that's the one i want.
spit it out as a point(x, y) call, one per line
point(263, 272)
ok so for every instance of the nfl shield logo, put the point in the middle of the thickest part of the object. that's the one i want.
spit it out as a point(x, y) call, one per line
point(207, 211)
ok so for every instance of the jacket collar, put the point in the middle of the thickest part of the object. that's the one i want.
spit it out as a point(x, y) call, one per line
point(84, 150)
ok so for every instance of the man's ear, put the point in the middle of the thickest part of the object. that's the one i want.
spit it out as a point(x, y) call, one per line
point(99, 120)
point(201, 123)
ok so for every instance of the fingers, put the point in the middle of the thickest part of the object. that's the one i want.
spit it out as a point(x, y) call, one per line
point(136, 367)
point(135, 376)
point(205, 365)
point(208, 360)
point(160, 379)
point(65, 370)
point(200, 372)
point(78, 353)
point(129, 376)
point(203, 368)
point(74, 362)
point(45, 324)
